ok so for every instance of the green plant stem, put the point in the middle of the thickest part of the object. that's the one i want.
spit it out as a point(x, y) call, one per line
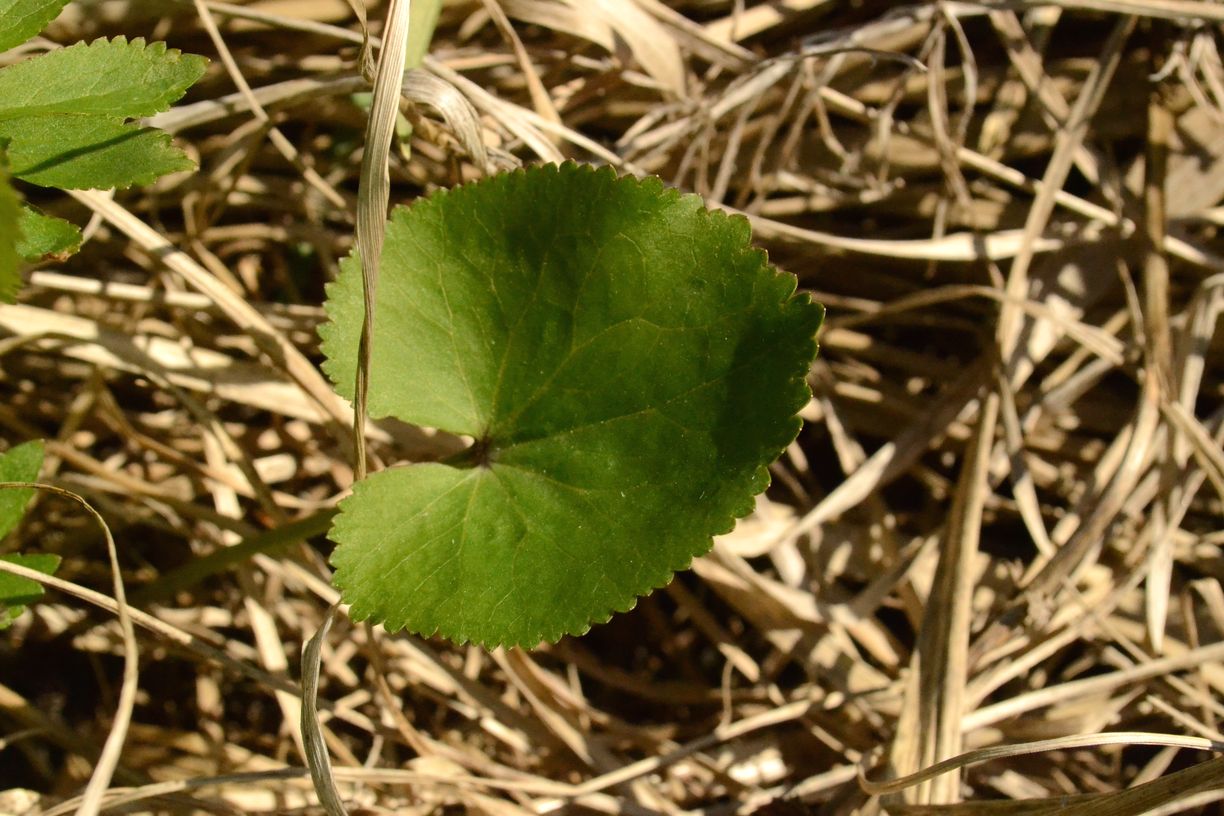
point(198, 569)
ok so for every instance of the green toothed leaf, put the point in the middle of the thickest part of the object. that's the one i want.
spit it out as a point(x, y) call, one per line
point(629, 366)
point(64, 113)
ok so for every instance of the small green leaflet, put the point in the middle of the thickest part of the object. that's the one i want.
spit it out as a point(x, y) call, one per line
point(65, 113)
point(629, 366)
point(17, 592)
point(27, 233)
point(22, 19)
point(20, 464)
point(45, 236)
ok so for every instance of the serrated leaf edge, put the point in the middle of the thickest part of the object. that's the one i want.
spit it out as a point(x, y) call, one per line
point(156, 48)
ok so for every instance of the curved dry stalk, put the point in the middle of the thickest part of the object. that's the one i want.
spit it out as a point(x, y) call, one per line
point(317, 758)
point(100, 779)
point(373, 193)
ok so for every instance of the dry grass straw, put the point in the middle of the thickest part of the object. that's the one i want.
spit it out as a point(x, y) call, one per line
point(997, 539)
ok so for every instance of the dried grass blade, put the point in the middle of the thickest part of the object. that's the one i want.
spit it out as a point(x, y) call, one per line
point(1168, 794)
point(317, 758)
point(425, 88)
point(1067, 143)
point(1087, 687)
point(740, 25)
point(1205, 449)
point(535, 87)
point(944, 640)
point(1184, 10)
point(278, 139)
point(895, 456)
point(609, 24)
point(271, 341)
point(374, 190)
point(1158, 343)
point(1024, 749)
point(1023, 488)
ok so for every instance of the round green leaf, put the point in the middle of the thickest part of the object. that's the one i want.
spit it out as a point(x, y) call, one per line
point(628, 366)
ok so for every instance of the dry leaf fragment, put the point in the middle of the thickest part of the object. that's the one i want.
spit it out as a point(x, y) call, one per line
point(613, 26)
